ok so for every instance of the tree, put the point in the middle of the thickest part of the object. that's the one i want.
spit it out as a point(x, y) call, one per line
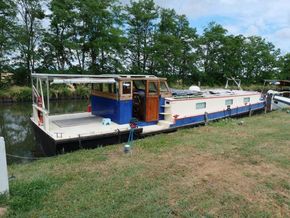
point(141, 20)
point(29, 33)
point(260, 60)
point(85, 36)
point(167, 46)
point(211, 51)
point(233, 53)
point(58, 41)
point(285, 67)
point(7, 24)
point(187, 65)
point(174, 47)
point(99, 34)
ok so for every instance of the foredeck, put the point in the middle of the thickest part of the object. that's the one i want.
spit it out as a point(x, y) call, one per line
point(69, 126)
point(79, 125)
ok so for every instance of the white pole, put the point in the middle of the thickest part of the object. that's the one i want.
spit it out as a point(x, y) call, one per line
point(4, 186)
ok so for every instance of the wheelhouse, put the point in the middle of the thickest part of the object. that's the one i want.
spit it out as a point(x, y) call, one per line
point(117, 97)
point(130, 97)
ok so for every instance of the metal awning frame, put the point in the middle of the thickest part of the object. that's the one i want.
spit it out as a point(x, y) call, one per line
point(63, 76)
point(84, 80)
point(42, 81)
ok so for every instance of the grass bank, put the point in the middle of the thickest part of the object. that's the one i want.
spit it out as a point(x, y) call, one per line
point(221, 170)
point(23, 93)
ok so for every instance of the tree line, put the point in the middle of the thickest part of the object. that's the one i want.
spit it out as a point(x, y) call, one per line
point(106, 37)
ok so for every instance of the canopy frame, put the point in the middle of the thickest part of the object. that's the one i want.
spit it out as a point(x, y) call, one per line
point(41, 103)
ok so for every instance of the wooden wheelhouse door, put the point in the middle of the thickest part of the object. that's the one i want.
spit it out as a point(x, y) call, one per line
point(152, 100)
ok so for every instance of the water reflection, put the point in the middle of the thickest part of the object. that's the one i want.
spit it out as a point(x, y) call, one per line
point(15, 127)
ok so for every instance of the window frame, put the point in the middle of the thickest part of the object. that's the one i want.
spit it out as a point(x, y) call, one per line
point(127, 96)
point(111, 92)
point(155, 85)
point(199, 103)
point(165, 85)
point(232, 102)
point(246, 102)
point(130, 92)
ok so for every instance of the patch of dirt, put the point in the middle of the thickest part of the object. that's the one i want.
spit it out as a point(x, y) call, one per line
point(199, 172)
point(3, 210)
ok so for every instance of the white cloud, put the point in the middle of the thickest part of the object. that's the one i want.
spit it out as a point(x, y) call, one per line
point(267, 18)
point(281, 38)
point(283, 33)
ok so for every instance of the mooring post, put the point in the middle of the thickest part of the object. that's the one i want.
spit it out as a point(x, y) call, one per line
point(250, 113)
point(206, 118)
point(4, 185)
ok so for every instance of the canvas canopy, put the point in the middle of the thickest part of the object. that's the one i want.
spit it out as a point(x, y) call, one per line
point(83, 81)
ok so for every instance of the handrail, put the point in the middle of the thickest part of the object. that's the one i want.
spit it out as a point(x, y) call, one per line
point(40, 109)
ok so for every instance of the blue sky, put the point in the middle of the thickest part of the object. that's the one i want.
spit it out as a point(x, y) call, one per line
point(267, 18)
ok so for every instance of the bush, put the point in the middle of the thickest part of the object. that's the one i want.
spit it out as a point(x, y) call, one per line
point(17, 93)
point(60, 91)
point(4, 93)
point(82, 91)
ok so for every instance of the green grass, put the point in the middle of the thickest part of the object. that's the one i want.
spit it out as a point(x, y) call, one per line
point(221, 170)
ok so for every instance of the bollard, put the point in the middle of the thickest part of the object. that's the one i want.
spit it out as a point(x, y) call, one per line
point(250, 113)
point(127, 148)
point(4, 186)
point(206, 118)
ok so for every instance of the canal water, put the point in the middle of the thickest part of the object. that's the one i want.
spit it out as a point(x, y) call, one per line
point(17, 131)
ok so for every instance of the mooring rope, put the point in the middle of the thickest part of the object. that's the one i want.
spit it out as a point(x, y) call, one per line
point(22, 157)
point(41, 158)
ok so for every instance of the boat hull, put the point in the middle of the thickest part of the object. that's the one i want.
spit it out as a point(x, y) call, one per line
point(51, 147)
point(280, 102)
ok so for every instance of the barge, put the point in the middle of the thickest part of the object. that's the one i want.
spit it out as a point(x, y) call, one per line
point(280, 97)
point(117, 101)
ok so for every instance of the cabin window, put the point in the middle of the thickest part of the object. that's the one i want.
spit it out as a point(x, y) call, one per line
point(153, 88)
point(98, 87)
point(200, 105)
point(139, 84)
point(126, 88)
point(107, 88)
point(247, 100)
point(163, 87)
point(229, 102)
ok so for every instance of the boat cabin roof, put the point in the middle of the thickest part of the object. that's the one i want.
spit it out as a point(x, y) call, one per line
point(81, 78)
point(279, 82)
point(105, 85)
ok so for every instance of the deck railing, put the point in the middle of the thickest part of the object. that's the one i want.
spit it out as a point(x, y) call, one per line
point(45, 116)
